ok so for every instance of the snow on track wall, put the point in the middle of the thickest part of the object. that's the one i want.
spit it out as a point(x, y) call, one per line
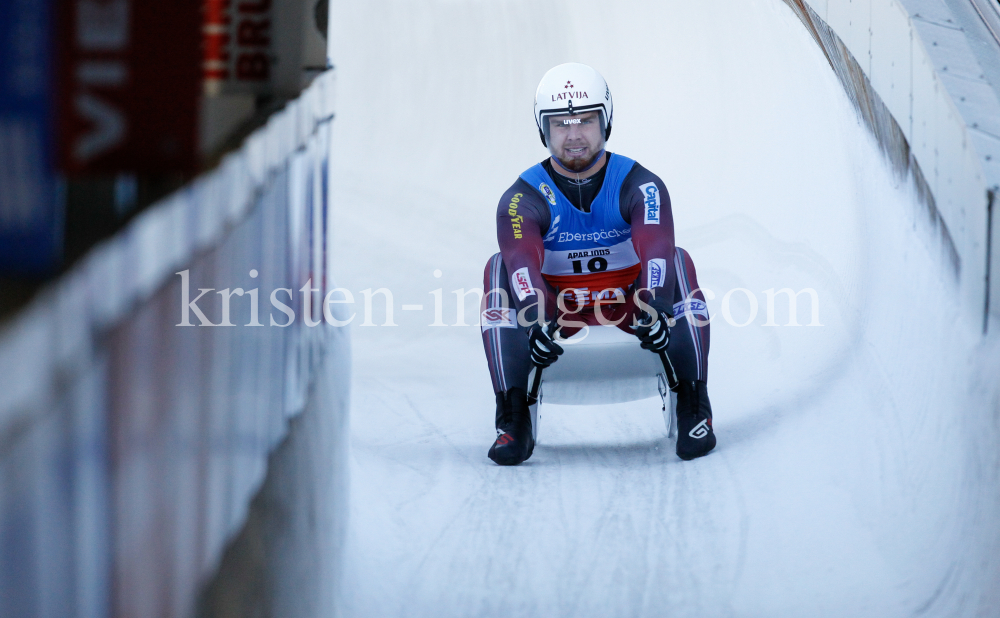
point(947, 116)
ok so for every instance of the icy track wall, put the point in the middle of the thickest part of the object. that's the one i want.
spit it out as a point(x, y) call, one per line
point(130, 447)
point(934, 115)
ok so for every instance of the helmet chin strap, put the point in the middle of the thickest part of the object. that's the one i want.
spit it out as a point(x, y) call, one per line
point(578, 172)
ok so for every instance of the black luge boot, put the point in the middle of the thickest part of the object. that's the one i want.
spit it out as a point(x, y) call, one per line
point(514, 443)
point(695, 436)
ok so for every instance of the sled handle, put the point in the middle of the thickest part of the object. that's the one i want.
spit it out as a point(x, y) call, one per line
point(668, 367)
point(535, 377)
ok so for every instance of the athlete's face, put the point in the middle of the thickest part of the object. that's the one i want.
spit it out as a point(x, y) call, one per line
point(576, 139)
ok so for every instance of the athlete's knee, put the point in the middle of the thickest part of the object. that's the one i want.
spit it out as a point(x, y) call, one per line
point(687, 264)
point(489, 273)
point(684, 257)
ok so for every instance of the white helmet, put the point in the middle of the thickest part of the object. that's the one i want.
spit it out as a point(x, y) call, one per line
point(572, 88)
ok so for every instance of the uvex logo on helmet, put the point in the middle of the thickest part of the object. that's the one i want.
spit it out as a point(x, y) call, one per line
point(562, 96)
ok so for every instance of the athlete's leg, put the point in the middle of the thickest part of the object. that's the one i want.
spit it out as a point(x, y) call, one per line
point(505, 341)
point(506, 345)
point(688, 351)
point(689, 338)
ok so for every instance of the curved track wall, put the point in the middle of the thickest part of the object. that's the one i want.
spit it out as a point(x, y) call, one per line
point(942, 104)
point(130, 445)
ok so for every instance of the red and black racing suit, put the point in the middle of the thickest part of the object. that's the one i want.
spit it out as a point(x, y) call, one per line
point(507, 346)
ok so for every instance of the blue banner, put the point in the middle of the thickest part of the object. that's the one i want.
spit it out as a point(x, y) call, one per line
point(30, 200)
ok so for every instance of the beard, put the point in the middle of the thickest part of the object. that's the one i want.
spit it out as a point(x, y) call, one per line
point(578, 165)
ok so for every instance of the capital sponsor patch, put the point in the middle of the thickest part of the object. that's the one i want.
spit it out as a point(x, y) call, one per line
point(656, 270)
point(691, 306)
point(651, 198)
point(549, 194)
point(497, 317)
point(521, 281)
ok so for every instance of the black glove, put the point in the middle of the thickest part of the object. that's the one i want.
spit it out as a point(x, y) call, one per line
point(544, 350)
point(653, 333)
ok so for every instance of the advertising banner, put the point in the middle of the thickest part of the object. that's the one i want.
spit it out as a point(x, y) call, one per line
point(237, 38)
point(259, 47)
point(30, 208)
point(129, 86)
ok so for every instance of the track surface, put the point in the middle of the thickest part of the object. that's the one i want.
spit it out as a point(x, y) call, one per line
point(856, 473)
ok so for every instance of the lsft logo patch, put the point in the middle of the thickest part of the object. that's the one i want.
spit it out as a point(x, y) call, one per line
point(521, 281)
point(691, 307)
point(657, 272)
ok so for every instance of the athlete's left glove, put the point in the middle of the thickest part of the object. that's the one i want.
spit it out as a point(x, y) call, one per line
point(544, 349)
point(654, 332)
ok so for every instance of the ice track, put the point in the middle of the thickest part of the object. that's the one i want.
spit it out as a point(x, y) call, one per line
point(856, 473)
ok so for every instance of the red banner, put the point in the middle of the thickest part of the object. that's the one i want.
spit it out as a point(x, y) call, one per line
point(238, 36)
point(129, 86)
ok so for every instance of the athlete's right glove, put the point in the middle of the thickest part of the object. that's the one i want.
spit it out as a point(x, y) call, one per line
point(544, 350)
point(654, 335)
